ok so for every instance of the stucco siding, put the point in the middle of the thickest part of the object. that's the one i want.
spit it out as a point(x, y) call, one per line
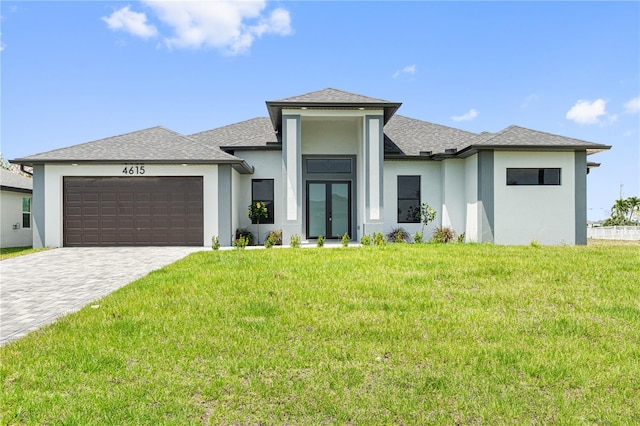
point(430, 192)
point(54, 203)
point(267, 165)
point(453, 195)
point(541, 213)
point(471, 199)
point(12, 234)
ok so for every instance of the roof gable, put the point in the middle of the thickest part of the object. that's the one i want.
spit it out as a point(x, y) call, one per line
point(257, 132)
point(156, 144)
point(521, 137)
point(335, 96)
point(329, 99)
point(12, 180)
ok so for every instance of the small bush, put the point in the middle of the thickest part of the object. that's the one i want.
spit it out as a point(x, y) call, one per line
point(294, 242)
point(246, 234)
point(215, 242)
point(240, 243)
point(321, 241)
point(444, 234)
point(365, 240)
point(398, 235)
point(345, 240)
point(461, 237)
point(417, 237)
point(534, 244)
point(277, 236)
point(378, 239)
point(270, 242)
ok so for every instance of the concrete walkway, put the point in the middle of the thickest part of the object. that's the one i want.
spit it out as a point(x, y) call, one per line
point(38, 288)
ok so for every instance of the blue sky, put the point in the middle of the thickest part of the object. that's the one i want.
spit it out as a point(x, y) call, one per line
point(75, 71)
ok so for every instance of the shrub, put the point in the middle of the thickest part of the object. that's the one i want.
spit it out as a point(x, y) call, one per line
point(444, 234)
point(365, 240)
point(294, 242)
point(248, 235)
point(345, 240)
point(270, 241)
point(378, 239)
point(321, 241)
point(398, 235)
point(417, 237)
point(215, 242)
point(277, 236)
point(240, 243)
point(461, 238)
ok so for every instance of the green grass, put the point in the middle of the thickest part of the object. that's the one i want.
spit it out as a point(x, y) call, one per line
point(7, 252)
point(403, 334)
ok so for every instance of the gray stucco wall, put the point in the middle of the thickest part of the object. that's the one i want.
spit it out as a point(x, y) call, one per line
point(581, 197)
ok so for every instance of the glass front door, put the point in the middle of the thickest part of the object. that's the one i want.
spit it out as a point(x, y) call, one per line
point(328, 209)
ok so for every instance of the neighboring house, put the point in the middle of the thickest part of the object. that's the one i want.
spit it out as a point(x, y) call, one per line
point(15, 209)
point(325, 163)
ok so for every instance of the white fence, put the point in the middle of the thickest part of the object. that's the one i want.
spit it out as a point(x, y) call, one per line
point(614, 232)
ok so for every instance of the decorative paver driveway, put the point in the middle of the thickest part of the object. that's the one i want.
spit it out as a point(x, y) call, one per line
point(40, 287)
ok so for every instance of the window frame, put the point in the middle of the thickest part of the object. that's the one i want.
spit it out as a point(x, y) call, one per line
point(268, 202)
point(418, 199)
point(541, 179)
point(26, 214)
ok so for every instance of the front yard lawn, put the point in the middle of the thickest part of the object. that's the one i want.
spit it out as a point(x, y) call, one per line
point(7, 252)
point(403, 334)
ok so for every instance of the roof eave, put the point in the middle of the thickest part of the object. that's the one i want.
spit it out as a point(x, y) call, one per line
point(275, 108)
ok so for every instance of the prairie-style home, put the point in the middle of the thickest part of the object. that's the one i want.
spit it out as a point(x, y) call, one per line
point(325, 163)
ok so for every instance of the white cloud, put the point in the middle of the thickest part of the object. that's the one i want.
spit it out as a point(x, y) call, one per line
point(132, 22)
point(633, 106)
point(231, 26)
point(587, 112)
point(409, 69)
point(466, 117)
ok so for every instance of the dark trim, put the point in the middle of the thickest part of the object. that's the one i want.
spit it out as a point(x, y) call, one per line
point(581, 198)
point(328, 207)
point(331, 177)
point(275, 108)
point(271, 219)
point(14, 189)
point(486, 194)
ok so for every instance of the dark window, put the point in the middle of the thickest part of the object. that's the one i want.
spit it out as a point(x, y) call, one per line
point(408, 199)
point(328, 165)
point(26, 212)
point(549, 176)
point(262, 192)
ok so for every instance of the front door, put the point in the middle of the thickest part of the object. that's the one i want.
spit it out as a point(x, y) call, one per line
point(328, 209)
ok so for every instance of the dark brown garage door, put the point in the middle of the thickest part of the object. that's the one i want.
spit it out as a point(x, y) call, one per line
point(133, 211)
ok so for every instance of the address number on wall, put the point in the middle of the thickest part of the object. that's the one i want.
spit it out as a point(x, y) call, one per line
point(133, 170)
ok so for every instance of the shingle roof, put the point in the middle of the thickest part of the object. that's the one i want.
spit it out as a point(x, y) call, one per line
point(411, 136)
point(330, 95)
point(521, 137)
point(329, 99)
point(257, 132)
point(9, 179)
point(156, 144)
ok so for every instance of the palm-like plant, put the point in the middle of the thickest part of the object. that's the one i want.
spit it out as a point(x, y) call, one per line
point(633, 203)
point(620, 208)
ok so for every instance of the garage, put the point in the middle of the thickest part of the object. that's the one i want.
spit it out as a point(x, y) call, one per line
point(133, 211)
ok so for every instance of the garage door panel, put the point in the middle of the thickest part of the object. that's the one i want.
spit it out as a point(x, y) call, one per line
point(133, 211)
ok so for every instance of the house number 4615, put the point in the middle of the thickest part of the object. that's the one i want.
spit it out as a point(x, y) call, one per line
point(133, 170)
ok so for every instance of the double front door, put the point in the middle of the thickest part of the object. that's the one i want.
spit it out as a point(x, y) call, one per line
point(328, 208)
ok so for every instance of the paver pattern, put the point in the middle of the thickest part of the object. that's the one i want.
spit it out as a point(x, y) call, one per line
point(37, 289)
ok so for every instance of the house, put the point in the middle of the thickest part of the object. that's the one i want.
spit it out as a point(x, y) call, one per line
point(15, 209)
point(325, 163)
